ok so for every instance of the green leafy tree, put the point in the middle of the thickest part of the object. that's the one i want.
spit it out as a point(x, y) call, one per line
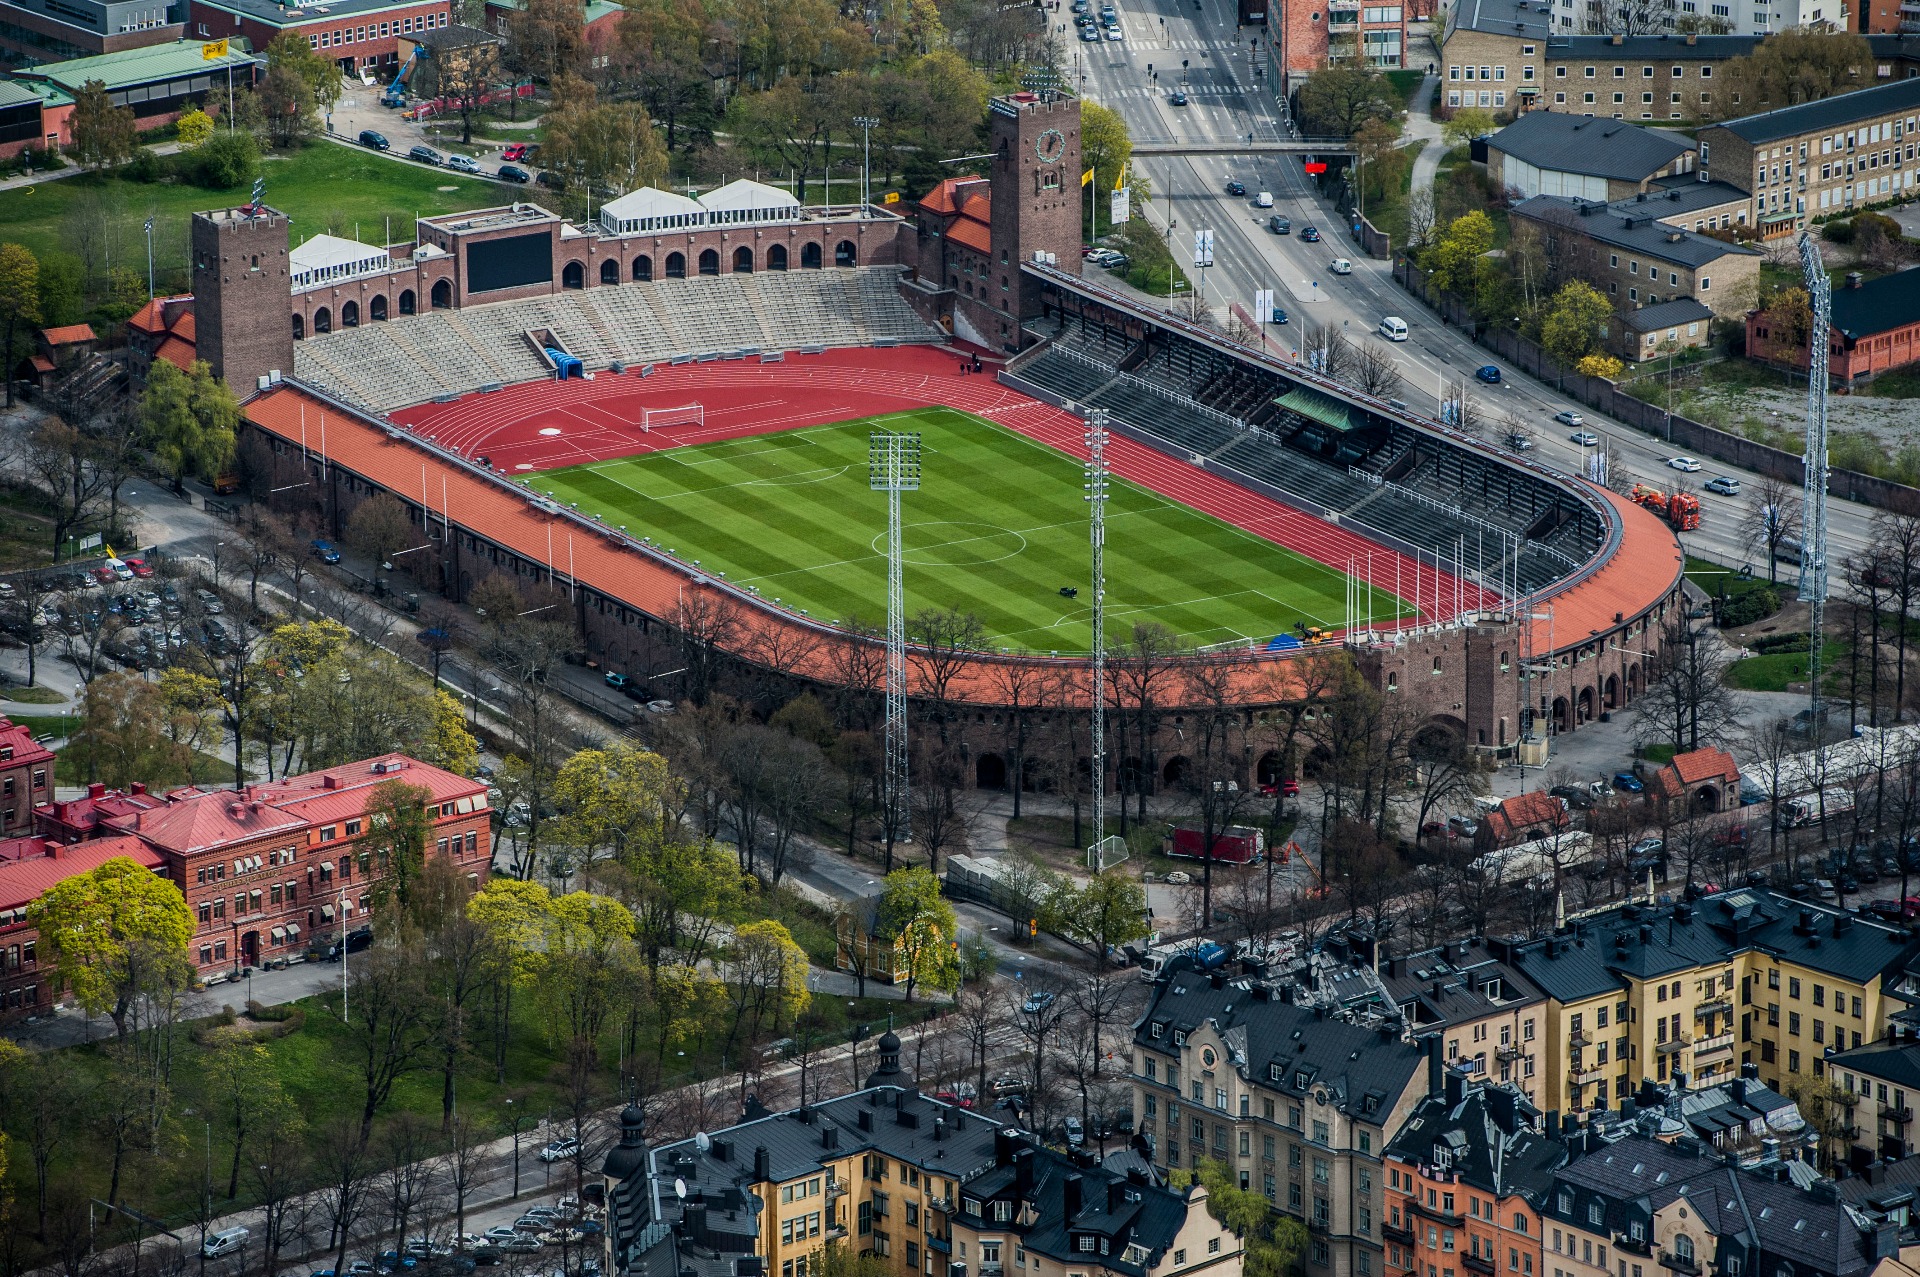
point(615, 800)
point(920, 923)
point(663, 47)
point(227, 161)
point(607, 144)
point(1801, 64)
point(19, 304)
point(1111, 910)
point(765, 974)
point(1105, 147)
point(1576, 319)
point(189, 420)
point(399, 828)
point(115, 934)
point(1337, 101)
point(1466, 124)
point(320, 72)
point(103, 134)
point(450, 744)
point(1453, 262)
point(1600, 366)
point(1273, 1242)
point(62, 289)
point(125, 735)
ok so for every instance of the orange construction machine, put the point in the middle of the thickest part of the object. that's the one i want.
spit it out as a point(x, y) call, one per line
point(1681, 510)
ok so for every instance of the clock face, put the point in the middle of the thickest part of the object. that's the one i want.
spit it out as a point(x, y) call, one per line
point(1050, 146)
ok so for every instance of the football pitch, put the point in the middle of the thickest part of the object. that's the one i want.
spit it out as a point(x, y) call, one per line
point(997, 527)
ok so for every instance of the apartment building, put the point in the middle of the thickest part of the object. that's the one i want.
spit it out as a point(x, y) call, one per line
point(1653, 332)
point(1664, 76)
point(1491, 55)
point(1822, 159)
point(26, 771)
point(1883, 1079)
point(1296, 1101)
point(932, 1189)
point(1486, 1013)
point(271, 868)
point(1303, 39)
point(34, 31)
point(358, 35)
point(29, 868)
point(1637, 259)
point(1466, 1178)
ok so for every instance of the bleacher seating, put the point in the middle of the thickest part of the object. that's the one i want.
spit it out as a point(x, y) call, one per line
point(414, 358)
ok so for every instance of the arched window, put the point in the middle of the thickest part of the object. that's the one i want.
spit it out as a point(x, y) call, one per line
point(709, 262)
point(609, 271)
point(743, 260)
point(443, 295)
point(406, 301)
point(350, 315)
point(844, 254)
point(377, 309)
point(810, 257)
point(676, 266)
point(642, 268)
point(1683, 1247)
point(573, 275)
point(777, 257)
point(322, 321)
point(299, 328)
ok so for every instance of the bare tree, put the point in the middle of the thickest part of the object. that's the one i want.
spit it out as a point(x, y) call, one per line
point(1326, 350)
point(1687, 703)
point(1375, 371)
point(344, 1164)
point(1772, 519)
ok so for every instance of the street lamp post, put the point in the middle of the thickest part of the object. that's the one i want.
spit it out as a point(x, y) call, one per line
point(513, 1120)
point(866, 124)
point(149, 228)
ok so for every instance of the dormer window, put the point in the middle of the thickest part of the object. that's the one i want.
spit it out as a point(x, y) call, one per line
point(1084, 1242)
point(1002, 1212)
point(1179, 1037)
point(1159, 1030)
point(1274, 1072)
point(1300, 1081)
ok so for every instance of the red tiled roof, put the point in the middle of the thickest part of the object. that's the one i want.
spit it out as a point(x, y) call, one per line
point(337, 792)
point(180, 354)
point(67, 334)
point(148, 318)
point(26, 880)
point(1643, 570)
point(183, 326)
point(1523, 811)
point(195, 821)
point(971, 234)
point(26, 750)
point(956, 194)
point(81, 815)
point(1699, 765)
point(41, 364)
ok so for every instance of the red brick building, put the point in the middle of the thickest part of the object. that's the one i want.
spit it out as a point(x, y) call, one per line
point(1876, 329)
point(1704, 780)
point(271, 869)
point(356, 34)
point(28, 868)
point(26, 772)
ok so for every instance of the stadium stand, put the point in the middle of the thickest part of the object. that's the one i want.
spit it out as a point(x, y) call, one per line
point(415, 358)
point(1414, 486)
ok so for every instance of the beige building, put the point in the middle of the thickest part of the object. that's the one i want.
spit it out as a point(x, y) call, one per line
point(1522, 61)
point(1487, 1015)
point(1830, 158)
point(934, 1189)
point(1627, 252)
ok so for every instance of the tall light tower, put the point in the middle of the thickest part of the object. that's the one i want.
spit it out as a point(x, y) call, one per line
point(1813, 548)
point(866, 124)
point(893, 467)
point(1096, 496)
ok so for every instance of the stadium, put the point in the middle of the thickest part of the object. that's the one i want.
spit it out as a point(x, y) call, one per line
point(612, 412)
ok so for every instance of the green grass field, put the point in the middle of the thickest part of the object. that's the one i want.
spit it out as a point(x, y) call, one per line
point(997, 528)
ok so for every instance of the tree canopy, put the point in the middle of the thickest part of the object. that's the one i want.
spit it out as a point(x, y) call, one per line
point(115, 933)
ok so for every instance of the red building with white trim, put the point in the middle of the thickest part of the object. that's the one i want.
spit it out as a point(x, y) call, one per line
point(1876, 329)
point(28, 868)
point(26, 777)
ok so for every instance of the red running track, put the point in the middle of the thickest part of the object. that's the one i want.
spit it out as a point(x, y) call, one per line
point(544, 425)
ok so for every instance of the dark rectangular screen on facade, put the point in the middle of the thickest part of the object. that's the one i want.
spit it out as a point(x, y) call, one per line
point(513, 262)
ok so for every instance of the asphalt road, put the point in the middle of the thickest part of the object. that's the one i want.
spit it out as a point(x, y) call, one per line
point(1228, 102)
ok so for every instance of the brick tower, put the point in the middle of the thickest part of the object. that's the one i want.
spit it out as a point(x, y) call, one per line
point(1036, 190)
point(242, 314)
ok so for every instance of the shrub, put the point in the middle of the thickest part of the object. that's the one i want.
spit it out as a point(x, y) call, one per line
point(228, 160)
point(1754, 605)
point(1600, 366)
point(1838, 231)
point(1773, 643)
point(146, 166)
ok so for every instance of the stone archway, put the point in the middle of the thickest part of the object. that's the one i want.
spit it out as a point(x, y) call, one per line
point(573, 275)
point(709, 262)
point(642, 269)
point(407, 306)
point(443, 295)
point(743, 260)
point(1610, 693)
point(1174, 772)
point(676, 265)
point(1584, 710)
point(350, 314)
point(777, 257)
point(299, 328)
point(377, 309)
point(845, 254)
point(322, 321)
point(1558, 715)
point(990, 772)
point(810, 257)
point(609, 271)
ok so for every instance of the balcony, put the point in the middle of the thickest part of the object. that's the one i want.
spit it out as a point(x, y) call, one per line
point(1899, 1116)
point(942, 1204)
point(1395, 1233)
point(1718, 1005)
point(1508, 1052)
point(1713, 1045)
point(836, 1232)
point(1579, 1039)
point(1434, 1212)
point(1585, 1075)
point(836, 1188)
point(1634, 1245)
point(1674, 1047)
point(1475, 1264)
point(940, 1244)
point(1678, 1263)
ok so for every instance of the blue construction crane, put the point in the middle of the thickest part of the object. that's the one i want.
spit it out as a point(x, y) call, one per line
point(396, 94)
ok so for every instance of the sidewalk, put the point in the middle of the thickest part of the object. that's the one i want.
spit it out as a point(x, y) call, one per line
point(71, 170)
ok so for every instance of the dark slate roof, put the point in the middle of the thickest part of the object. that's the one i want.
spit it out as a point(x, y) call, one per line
point(1639, 233)
point(1488, 1136)
point(1685, 193)
point(1681, 310)
point(1884, 1186)
point(1828, 113)
point(1763, 1214)
point(1895, 1062)
point(1504, 17)
point(1879, 305)
point(1893, 48)
point(1665, 46)
point(1596, 951)
point(1589, 145)
point(1365, 1070)
point(1450, 984)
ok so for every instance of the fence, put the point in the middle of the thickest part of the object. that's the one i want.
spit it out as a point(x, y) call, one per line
point(1687, 434)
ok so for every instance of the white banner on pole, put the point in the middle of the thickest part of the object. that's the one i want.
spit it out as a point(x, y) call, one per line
point(1120, 205)
point(1262, 305)
point(1203, 248)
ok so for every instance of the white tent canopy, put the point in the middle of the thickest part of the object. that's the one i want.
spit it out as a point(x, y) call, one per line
point(648, 209)
point(745, 200)
point(327, 259)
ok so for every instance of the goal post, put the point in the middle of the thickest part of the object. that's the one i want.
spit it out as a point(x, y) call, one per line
point(1107, 853)
point(691, 414)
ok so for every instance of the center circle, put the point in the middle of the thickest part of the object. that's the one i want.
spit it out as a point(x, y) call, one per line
point(951, 544)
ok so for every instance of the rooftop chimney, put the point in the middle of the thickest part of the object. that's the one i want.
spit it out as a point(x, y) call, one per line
point(762, 1165)
point(1855, 279)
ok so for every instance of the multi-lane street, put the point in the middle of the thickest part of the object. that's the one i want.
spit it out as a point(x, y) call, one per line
point(1193, 45)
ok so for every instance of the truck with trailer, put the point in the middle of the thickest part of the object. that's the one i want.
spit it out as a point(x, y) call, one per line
point(1234, 845)
point(1810, 809)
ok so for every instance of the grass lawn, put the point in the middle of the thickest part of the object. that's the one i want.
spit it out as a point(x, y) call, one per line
point(1405, 82)
point(1662, 754)
point(323, 187)
point(1904, 384)
point(997, 528)
point(1712, 577)
point(32, 696)
point(1775, 670)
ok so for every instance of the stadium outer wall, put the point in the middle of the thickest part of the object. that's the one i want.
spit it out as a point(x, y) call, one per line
point(636, 612)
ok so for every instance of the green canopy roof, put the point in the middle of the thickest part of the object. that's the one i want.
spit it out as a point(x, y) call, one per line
point(1312, 403)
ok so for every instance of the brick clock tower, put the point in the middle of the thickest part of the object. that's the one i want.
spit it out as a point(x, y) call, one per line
point(243, 320)
point(1036, 194)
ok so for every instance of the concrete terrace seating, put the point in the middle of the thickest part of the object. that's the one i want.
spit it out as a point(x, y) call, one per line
point(414, 358)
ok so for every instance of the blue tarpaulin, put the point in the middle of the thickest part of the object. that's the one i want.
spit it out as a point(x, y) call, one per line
point(565, 365)
point(1282, 642)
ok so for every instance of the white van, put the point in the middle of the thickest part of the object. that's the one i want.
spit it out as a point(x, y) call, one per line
point(1393, 328)
point(1263, 200)
point(225, 1242)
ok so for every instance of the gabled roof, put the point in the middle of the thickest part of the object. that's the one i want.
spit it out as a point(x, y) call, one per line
point(198, 821)
point(1698, 765)
point(1639, 232)
point(1588, 145)
point(744, 194)
point(1515, 816)
point(178, 352)
point(649, 202)
point(1488, 1136)
point(1879, 305)
point(1681, 310)
point(25, 880)
point(26, 750)
point(67, 334)
point(1895, 1062)
point(1828, 113)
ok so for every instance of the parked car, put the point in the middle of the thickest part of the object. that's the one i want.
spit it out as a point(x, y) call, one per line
point(1725, 484)
point(1178, 878)
point(139, 567)
point(1488, 373)
point(560, 1150)
point(463, 164)
point(500, 1233)
point(514, 173)
point(1575, 796)
point(1463, 826)
point(209, 602)
point(227, 1241)
point(426, 155)
point(324, 550)
point(1037, 1001)
point(1519, 442)
point(522, 1244)
point(1627, 782)
point(520, 151)
point(377, 141)
point(1071, 1128)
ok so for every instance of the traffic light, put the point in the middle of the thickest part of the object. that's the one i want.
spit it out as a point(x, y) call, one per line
point(1033, 928)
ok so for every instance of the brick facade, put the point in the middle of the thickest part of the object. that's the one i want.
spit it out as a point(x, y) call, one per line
point(28, 868)
point(26, 777)
point(365, 36)
point(240, 289)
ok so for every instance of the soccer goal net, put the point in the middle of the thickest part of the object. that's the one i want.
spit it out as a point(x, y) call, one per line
point(1106, 853)
point(691, 414)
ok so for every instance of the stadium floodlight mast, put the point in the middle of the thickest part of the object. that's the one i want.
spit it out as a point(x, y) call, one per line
point(1813, 518)
point(1097, 477)
point(893, 467)
point(866, 124)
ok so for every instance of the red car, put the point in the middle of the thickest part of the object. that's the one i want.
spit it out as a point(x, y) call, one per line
point(519, 151)
point(139, 567)
point(105, 575)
